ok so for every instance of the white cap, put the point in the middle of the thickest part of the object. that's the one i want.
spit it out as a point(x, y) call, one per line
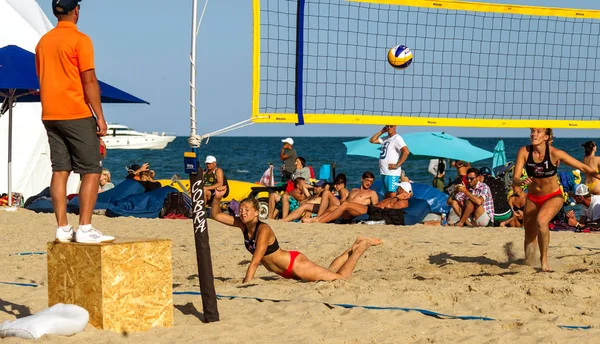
point(210, 159)
point(288, 140)
point(581, 190)
point(406, 186)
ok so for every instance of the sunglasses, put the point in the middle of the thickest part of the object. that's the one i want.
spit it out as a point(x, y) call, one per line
point(471, 178)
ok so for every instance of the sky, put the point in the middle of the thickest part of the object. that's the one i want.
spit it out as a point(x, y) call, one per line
point(143, 46)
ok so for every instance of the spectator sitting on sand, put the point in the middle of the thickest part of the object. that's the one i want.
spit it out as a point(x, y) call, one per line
point(590, 208)
point(363, 195)
point(289, 201)
point(474, 202)
point(133, 171)
point(328, 199)
point(310, 205)
point(390, 209)
point(105, 183)
point(148, 181)
point(261, 242)
point(516, 201)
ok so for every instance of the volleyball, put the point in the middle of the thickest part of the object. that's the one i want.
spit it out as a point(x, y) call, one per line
point(400, 57)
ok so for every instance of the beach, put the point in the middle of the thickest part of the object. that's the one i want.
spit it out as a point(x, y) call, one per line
point(453, 271)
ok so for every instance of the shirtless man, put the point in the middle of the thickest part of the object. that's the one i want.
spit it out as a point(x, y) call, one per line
point(289, 200)
point(362, 196)
point(328, 199)
point(349, 210)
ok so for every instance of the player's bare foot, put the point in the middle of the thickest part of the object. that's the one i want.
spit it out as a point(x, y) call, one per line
point(309, 219)
point(375, 241)
point(546, 267)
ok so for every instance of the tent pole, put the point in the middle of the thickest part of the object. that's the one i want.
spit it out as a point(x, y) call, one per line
point(11, 94)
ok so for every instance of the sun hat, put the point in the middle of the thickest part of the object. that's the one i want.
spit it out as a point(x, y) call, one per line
point(288, 140)
point(210, 159)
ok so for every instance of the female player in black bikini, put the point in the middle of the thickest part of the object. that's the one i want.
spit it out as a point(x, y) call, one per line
point(260, 240)
point(544, 197)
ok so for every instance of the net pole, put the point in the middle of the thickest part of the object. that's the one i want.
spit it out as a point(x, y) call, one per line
point(299, 60)
point(199, 221)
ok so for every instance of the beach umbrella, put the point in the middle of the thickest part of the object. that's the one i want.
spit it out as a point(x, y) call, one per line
point(425, 145)
point(19, 81)
point(499, 158)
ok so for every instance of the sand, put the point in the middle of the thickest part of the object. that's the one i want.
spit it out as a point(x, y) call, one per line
point(447, 270)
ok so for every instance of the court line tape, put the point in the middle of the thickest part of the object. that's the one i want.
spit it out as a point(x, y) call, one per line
point(27, 253)
point(343, 305)
point(405, 309)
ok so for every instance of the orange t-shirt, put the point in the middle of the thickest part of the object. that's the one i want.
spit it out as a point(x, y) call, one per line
point(60, 57)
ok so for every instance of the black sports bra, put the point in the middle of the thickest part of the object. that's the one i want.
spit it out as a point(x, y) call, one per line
point(542, 169)
point(251, 243)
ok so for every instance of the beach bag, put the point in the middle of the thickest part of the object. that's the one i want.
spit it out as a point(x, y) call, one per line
point(177, 205)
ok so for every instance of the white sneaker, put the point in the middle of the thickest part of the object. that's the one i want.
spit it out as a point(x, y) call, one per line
point(63, 235)
point(92, 236)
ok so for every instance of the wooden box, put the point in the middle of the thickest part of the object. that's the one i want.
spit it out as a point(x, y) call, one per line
point(126, 286)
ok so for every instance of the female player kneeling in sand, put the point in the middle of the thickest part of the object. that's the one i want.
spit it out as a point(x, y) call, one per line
point(262, 243)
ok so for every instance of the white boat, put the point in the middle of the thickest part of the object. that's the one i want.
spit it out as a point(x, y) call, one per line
point(120, 136)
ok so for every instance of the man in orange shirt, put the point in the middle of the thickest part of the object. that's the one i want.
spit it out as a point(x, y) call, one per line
point(68, 87)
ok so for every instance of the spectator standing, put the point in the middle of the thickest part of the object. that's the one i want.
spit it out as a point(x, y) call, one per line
point(70, 96)
point(394, 153)
point(288, 156)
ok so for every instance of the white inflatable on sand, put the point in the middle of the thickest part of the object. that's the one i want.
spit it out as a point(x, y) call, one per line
point(59, 319)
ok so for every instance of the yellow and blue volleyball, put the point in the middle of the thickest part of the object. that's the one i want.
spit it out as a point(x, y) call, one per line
point(400, 57)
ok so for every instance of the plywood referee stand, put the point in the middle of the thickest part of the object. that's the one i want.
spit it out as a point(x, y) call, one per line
point(126, 286)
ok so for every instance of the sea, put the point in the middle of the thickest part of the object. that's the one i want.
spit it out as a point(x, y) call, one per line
point(247, 158)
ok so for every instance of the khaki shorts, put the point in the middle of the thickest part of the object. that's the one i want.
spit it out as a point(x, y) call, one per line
point(74, 145)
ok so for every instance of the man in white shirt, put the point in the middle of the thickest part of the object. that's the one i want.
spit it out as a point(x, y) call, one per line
point(394, 153)
point(590, 207)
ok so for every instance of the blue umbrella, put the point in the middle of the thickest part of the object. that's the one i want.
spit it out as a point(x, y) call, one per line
point(499, 158)
point(19, 81)
point(425, 145)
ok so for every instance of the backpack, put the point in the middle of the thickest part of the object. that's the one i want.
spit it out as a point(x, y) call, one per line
point(177, 204)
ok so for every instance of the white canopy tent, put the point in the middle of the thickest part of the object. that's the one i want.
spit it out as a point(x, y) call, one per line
point(22, 23)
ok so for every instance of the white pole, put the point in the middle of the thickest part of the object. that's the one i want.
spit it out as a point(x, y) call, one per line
point(10, 106)
point(193, 69)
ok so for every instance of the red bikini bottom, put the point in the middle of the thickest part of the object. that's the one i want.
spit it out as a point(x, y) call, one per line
point(288, 272)
point(540, 200)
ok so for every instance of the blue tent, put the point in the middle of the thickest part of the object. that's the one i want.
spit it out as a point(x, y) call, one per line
point(19, 81)
point(425, 145)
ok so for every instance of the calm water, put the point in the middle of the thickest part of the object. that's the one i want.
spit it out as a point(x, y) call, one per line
point(246, 158)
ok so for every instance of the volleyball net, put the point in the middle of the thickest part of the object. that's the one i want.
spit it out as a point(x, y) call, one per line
point(474, 65)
